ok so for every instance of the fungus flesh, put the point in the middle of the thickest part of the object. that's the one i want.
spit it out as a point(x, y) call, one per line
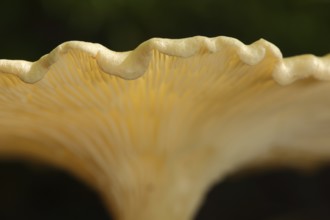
point(152, 129)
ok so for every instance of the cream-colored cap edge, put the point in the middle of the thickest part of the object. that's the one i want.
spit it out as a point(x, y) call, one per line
point(132, 64)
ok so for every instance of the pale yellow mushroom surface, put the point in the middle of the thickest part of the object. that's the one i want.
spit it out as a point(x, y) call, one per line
point(154, 128)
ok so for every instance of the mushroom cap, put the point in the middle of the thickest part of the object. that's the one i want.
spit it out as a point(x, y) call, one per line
point(152, 129)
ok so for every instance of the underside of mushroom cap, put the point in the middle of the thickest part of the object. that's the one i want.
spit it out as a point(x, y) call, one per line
point(192, 111)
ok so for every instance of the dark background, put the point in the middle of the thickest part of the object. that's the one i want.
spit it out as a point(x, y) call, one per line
point(31, 28)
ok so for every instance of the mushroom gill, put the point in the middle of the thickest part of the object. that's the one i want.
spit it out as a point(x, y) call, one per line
point(153, 129)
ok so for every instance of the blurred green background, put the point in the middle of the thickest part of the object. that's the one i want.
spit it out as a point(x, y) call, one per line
point(31, 28)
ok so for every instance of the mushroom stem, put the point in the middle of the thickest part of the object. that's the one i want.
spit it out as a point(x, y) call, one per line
point(166, 199)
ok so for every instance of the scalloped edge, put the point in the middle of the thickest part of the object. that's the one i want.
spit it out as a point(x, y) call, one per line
point(132, 64)
point(299, 67)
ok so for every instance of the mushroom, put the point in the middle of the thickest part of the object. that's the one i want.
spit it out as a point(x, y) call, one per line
point(154, 128)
